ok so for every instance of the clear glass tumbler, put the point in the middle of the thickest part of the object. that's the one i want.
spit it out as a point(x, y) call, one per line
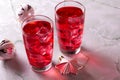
point(38, 41)
point(69, 20)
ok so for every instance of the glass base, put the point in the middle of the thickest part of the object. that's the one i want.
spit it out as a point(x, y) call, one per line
point(42, 69)
point(70, 52)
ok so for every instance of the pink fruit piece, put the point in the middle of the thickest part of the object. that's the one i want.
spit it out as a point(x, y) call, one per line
point(25, 12)
point(6, 50)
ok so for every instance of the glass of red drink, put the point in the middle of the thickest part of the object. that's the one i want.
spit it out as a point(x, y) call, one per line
point(69, 20)
point(38, 41)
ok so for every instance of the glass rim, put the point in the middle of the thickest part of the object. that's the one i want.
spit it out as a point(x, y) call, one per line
point(36, 16)
point(84, 9)
point(51, 22)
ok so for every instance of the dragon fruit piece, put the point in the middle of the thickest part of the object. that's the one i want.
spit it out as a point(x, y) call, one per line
point(7, 50)
point(25, 12)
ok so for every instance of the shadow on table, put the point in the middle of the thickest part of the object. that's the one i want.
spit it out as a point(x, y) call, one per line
point(53, 74)
point(101, 64)
point(98, 65)
point(98, 59)
point(82, 75)
point(14, 65)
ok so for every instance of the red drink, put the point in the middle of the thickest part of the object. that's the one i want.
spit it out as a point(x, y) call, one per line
point(38, 40)
point(69, 23)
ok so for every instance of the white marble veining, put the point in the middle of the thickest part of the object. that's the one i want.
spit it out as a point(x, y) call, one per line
point(101, 41)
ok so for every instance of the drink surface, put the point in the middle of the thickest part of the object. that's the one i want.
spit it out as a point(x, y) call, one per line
point(69, 23)
point(38, 40)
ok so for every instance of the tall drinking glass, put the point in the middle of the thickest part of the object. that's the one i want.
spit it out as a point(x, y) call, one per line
point(69, 20)
point(38, 41)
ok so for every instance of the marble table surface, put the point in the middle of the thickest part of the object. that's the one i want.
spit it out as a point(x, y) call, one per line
point(101, 41)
